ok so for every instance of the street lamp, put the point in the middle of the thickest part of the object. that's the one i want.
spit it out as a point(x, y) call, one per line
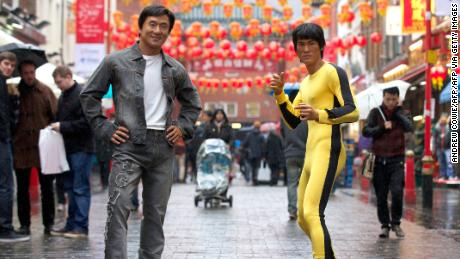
point(427, 171)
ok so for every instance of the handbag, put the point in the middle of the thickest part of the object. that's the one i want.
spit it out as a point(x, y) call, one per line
point(368, 165)
point(369, 159)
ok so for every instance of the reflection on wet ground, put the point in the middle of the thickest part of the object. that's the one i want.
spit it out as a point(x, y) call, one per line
point(444, 216)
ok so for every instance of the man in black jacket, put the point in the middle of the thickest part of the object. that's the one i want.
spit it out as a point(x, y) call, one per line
point(7, 107)
point(78, 142)
point(253, 145)
point(386, 126)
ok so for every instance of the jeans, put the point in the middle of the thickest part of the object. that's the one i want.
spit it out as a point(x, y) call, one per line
point(23, 197)
point(389, 176)
point(78, 189)
point(6, 185)
point(153, 163)
point(294, 170)
point(445, 166)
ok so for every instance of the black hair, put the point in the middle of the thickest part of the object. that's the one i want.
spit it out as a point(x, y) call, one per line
point(309, 31)
point(209, 113)
point(156, 10)
point(219, 111)
point(26, 62)
point(391, 90)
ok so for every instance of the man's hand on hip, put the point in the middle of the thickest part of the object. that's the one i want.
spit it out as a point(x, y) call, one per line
point(120, 135)
point(173, 134)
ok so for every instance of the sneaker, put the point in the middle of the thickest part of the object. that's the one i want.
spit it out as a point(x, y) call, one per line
point(61, 207)
point(10, 236)
point(292, 216)
point(385, 233)
point(76, 234)
point(398, 231)
point(58, 232)
point(23, 230)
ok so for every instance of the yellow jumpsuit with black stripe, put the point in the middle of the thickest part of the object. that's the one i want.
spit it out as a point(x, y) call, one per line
point(328, 92)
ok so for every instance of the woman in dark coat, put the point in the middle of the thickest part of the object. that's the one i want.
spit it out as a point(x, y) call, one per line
point(219, 127)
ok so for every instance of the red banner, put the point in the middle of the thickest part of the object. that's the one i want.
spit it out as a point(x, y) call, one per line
point(90, 21)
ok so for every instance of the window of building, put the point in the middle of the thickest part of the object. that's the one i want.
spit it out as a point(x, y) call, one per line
point(253, 109)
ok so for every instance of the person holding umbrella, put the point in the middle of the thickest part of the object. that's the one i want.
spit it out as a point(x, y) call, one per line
point(386, 125)
point(7, 233)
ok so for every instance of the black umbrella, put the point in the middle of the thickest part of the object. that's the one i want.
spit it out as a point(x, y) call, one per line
point(26, 52)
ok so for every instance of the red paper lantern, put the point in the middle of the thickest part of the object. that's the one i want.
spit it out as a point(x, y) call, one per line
point(362, 41)
point(225, 83)
point(259, 81)
point(266, 29)
point(197, 52)
point(205, 33)
point(266, 53)
point(247, 11)
point(259, 46)
point(273, 46)
point(222, 34)
point(249, 82)
point(281, 53)
point(192, 42)
point(208, 43)
point(225, 45)
point(251, 54)
point(376, 37)
point(241, 45)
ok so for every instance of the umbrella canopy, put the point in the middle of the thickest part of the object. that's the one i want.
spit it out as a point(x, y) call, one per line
point(373, 96)
point(44, 74)
point(26, 52)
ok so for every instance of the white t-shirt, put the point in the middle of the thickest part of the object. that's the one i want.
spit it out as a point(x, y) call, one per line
point(155, 101)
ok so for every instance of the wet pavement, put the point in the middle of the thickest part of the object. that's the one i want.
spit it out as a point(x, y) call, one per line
point(258, 227)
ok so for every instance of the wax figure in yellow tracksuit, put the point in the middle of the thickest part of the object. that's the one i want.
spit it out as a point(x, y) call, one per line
point(327, 91)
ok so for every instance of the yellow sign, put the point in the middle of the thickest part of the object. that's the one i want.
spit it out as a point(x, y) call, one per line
point(413, 16)
point(432, 57)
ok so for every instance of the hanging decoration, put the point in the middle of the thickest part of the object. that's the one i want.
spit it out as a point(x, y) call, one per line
point(235, 30)
point(267, 12)
point(306, 11)
point(287, 12)
point(208, 8)
point(239, 3)
point(346, 15)
point(376, 37)
point(365, 12)
point(382, 7)
point(260, 3)
point(247, 11)
point(228, 10)
point(438, 75)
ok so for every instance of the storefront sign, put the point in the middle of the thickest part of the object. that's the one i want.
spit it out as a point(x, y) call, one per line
point(413, 16)
point(393, 26)
point(236, 65)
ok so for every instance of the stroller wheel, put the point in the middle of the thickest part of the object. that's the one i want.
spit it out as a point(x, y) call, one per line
point(230, 200)
point(197, 200)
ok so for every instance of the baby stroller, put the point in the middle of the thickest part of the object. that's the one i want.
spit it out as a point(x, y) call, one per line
point(213, 166)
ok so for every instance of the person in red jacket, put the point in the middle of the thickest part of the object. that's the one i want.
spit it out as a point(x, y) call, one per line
point(386, 126)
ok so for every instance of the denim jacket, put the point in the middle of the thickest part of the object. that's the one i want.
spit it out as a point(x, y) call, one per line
point(124, 70)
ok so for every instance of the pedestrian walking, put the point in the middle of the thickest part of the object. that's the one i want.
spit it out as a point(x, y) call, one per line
point(194, 144)
point(253, 149)
point(273, 153)
point(37, 111)
point(219, 127)
point(324, 101)
point(386, 126)
point(72, 124)
point(9, 110)
point(294, 152)
point(442, 137)
point(146, 82)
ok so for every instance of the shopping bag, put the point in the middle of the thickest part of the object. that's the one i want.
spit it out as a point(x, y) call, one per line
point(53, 158)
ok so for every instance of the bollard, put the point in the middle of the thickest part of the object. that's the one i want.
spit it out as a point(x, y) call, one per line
point(410, 177)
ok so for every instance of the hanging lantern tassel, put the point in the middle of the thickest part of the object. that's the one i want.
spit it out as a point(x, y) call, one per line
point(382, 7)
